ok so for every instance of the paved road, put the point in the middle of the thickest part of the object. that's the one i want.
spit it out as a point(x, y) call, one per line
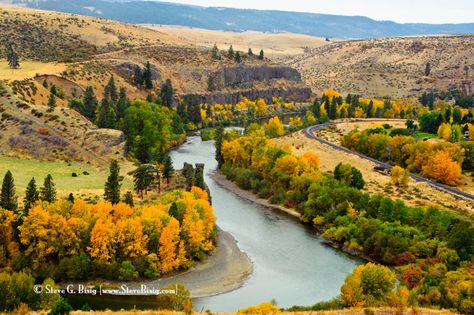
point(309, 132)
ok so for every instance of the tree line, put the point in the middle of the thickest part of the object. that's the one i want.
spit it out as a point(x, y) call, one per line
point(434, 246)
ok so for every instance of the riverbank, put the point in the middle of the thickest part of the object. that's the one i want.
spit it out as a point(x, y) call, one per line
point(220, 179)
point(225, 270)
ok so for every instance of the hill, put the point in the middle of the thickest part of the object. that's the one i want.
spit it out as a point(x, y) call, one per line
point(322, 25)
point(393, 67)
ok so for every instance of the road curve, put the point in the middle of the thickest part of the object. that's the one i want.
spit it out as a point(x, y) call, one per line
point(309, 132)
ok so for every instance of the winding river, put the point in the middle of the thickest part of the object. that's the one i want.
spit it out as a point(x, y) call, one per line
point(291, 264)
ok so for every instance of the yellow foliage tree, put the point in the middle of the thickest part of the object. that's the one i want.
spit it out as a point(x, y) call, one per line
point(442, 168)
point(274, 128)
point(169, 241)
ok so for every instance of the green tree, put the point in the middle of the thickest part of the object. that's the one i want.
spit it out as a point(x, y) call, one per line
point(45, 84)
point(250, 52)
point(106, 117)
point(122, 104)
point(238, 57)
point(113, 183)
point(8, 198)
point(12, 57)
point(31, 196)
point(61, 307)
point(261, 55)
point(128, 199)
point(219, 139)
point(90, 103)
point(168, 169)
point(377, 282)
point(167, 93)
point(48, 191)
point(231, 52)
point(216, 53)
point(138, 76)
point(52, 101)
point(110, 91)
point(147, 76)
point(143, 178)
point(71, 198)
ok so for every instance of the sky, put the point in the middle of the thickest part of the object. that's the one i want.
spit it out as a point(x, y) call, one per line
point(403, 11)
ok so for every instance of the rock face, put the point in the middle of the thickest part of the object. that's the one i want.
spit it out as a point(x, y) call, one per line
point(108, 137)
point(296, 94)
point(244, 76)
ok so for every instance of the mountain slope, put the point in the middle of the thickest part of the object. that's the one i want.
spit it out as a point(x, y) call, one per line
point(323, 25)
point(390, 67)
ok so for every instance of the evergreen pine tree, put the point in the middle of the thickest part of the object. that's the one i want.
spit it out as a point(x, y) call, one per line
point(143, 178)
point(71, 198)
point(45, 84)
point(250, 53)
point(333, 109)
point(110, 91)
point(138, 76)
point(199, 176)
point(31, 196)
point(90, 103)
point(106, 117)
point(238, 57)
point(8, 199)
point(128, 199)
point(48, 192)
point(113, 184)
point(167, 93)
point(53, 90)
point(122, 104)
point(316, 108)
point(231, 52)
point(52, 101)
point(261, 55)
point(216, 53)
point(218, 144)
point(168, 169)
point(370, 109)
point(147, 76)
point(12, 57)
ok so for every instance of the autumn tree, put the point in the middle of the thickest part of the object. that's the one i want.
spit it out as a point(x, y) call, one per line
point(399, 176)
point(48, 191)
point(169, 241)
point(8, 198)
point(113, 183)
point(274, 128)
point(31, 196)
point(442, 168)
point(368, 285)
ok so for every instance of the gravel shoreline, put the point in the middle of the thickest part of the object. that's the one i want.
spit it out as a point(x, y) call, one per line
point(248, 195)
point(223, 271)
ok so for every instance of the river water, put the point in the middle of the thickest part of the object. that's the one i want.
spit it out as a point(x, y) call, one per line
point(292, 265)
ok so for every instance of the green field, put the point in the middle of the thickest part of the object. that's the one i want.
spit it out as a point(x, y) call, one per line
point(24, 170)
point(422, 135)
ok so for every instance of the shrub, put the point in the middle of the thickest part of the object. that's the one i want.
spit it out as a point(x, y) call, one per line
point(127, 271)
point(61, 307)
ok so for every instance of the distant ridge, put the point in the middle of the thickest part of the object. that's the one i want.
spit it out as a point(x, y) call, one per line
point(227, 19)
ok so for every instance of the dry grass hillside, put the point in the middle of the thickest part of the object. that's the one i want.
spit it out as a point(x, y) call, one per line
point(274, 45)
point(391, 66)
point(88, 51)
